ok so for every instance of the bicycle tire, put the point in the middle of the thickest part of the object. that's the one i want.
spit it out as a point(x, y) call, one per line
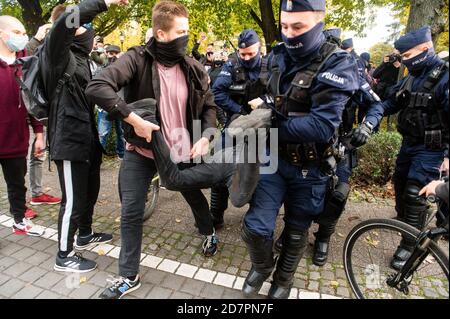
point(152, 199)
point(391, 224)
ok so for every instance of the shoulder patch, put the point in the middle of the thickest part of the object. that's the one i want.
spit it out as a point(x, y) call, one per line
point(329, 76)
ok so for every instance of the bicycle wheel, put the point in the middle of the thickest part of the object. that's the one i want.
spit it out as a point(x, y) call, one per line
point(368, 251)
point(152, 198)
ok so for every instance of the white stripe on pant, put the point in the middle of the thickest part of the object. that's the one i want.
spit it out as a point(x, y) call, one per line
point(69, 205)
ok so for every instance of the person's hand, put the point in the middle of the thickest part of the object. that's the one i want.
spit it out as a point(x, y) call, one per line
point(361, 135)
point(202, 37)
point(254, 104)
point(430, 189)
point(42, 31)
point(142, 128)
point(110, 2)
point(444, 166)
point(200, 148)
point(39, 145)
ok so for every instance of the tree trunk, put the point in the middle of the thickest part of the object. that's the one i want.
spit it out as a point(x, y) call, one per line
point(427, 12)
point(31, 15)
point(267, 22)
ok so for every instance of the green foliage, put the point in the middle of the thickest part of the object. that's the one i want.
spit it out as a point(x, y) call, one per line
point(377, 159)
point(379, 51)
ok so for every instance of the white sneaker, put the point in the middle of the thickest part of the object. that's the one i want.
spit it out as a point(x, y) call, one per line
point(27, 227)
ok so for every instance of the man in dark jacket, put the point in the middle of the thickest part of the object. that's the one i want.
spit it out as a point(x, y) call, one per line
point(162, 71)
point(73, 137)
point(14, 126)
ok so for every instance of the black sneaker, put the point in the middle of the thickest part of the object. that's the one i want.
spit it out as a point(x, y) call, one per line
point(210, 245)
point(120, 287)
point(74, 262)
point(92, 240)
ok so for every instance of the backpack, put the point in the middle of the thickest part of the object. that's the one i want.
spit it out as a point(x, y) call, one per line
point(32, 87)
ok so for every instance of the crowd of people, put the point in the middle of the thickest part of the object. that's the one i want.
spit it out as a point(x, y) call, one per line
point(323, 99)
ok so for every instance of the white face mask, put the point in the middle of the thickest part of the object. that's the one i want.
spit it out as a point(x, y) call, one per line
point(16, 43)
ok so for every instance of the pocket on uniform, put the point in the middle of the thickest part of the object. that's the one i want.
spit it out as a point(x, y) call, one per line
point(318, 193)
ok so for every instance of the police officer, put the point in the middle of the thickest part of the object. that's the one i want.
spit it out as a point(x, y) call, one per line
point(336, 199)
point(236, 85)
point(421, 99)
point(310, 83)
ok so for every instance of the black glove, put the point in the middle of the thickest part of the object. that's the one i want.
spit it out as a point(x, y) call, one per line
point(361, 135)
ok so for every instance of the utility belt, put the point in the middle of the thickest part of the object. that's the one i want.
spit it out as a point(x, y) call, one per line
point(309, 153)
point(433, 140)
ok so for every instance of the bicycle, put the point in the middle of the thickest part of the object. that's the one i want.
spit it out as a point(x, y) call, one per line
point(367, 266)
point(152, 197)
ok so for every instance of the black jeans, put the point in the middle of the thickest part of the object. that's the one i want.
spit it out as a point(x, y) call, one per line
point(80, 185)
point(14, 171)
point(136, 173)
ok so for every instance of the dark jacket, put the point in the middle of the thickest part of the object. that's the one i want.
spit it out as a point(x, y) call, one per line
point(14, 118)
point(136, 71)
point(72, 131)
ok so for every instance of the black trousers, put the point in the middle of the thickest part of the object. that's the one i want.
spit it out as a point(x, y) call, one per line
point(14, 171)
point(80, 185)
point(136, 173)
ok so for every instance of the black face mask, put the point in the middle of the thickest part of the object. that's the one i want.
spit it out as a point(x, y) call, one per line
point(84, 42)
point(171, 53)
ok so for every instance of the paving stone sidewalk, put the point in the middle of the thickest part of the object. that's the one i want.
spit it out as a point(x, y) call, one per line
point(170, 235)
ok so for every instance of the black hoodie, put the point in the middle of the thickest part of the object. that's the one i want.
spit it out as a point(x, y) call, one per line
point(72, 129)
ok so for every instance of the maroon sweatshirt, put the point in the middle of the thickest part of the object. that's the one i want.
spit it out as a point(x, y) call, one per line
point(14, 118)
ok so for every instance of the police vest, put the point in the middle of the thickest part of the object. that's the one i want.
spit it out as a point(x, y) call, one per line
point(297, 102)
point(242, 90)
point(422, 119)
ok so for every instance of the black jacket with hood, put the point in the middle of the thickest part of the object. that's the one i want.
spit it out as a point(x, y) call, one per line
point(71, 129)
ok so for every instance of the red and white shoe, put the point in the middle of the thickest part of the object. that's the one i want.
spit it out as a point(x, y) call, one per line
point(30, 214)
point(26, 227)
point(45, 199)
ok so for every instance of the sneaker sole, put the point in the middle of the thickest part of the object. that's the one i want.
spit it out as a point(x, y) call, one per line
point(22, 232)
point(130, 290)
point(91, 245)
point(38, 203)
point(66, 269)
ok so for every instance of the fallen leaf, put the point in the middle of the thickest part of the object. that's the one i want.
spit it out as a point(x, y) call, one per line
point(101, 252)
point(371, 241)
point(83, 280)
point(334, 284)
point(340, 235)
point(352, 218)
point(178, 220)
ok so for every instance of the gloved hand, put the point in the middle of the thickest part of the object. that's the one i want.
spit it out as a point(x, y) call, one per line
point(361, 135)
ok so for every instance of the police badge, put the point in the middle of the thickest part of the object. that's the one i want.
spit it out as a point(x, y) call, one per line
point(289, 5)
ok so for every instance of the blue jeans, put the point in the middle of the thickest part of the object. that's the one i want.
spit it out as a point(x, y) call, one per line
point(104, 130)
point(302, 190)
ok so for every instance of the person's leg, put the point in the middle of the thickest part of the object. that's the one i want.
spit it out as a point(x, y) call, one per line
point(305, 200)
point(336, 200)
point(73, 178)
point(135, 175)
point(86, 236)
point(36, 164)
point(104, 128)
point(400, 178)
point(120, 142)
point(202, 176)
point(258, 228)
point(219, 204)
point(14, 171)
point(424, 168)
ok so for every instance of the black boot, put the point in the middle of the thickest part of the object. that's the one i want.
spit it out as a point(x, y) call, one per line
point(219, 203)
point(279, 244)
point(261, 256)
point(322, 243)
point(415, 210)
point(294, 245)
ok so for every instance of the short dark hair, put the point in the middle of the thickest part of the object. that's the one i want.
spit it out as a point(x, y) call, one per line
point(57, 12)
point(165, 12)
